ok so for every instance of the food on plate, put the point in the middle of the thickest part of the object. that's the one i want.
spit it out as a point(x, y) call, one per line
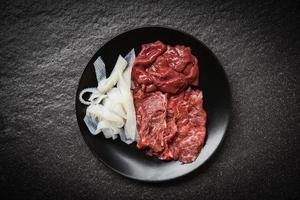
point(110, 106)
point(149, 100)
point(170, 115)
point(165, 68)
point(185, 112)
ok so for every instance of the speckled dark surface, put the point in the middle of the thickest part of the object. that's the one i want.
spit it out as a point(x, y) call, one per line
point(44, 49)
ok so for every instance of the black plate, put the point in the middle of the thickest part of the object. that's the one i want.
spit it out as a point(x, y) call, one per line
point(126, 159)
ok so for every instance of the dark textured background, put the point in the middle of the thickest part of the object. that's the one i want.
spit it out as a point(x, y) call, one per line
point(45, 47)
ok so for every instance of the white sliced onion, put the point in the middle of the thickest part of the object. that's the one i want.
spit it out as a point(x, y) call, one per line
point(92, 124)
point(89, 90)
point(114, 107)
point(110, 106)
point(102, 113)
point(100, 69)
point(106, 84)
point(124, 84)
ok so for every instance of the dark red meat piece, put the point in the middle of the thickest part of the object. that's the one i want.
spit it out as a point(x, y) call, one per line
point(170, 118)
point(168, 69)
point(151, 120)
point(190, 118)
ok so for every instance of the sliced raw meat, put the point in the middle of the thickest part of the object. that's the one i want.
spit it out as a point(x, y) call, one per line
point(170, 118)
point(187, 111)
point(151, 121)
point(165, 68)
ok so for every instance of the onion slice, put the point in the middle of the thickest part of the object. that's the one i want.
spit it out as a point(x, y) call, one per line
point(110, 106)
point(124, 85)
point(100, 70)
point(106, 84)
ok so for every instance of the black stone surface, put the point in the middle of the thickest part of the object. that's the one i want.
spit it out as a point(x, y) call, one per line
point(44, 48)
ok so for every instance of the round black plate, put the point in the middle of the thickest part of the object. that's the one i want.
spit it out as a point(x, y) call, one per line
point(126, 159)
